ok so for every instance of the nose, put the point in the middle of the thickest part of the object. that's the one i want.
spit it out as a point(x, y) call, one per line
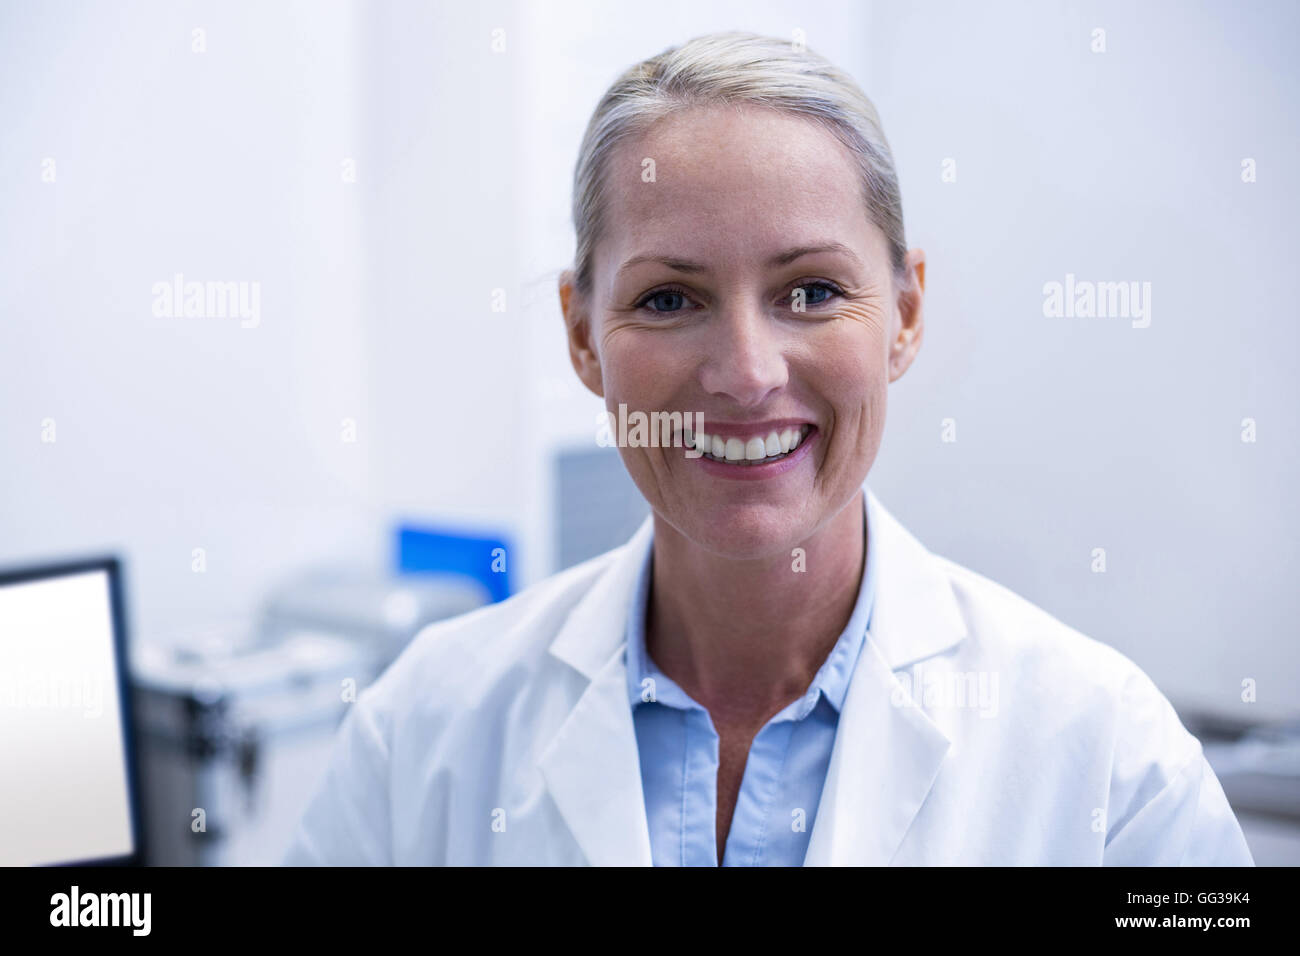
point(744, 359)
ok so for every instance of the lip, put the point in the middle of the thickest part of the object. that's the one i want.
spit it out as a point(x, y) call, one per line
point(751, 429)
point(772, 469)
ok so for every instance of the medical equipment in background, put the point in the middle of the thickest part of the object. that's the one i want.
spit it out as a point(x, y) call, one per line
point(232, 736)
point(444, 552)
point(597, 505)
point(70, 789)
point(1258, 765)
point(237, 723)
point(381, 612)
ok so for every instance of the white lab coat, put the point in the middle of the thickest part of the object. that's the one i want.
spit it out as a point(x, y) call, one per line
point(505, 736)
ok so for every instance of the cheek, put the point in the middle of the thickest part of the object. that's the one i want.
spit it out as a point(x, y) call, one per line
point(847, 368)
point(641, 369)
point(848, 362)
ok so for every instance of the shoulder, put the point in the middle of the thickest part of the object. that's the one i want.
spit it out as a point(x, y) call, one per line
point(1007, 625)
point(1068, 682)
point(1085, 730)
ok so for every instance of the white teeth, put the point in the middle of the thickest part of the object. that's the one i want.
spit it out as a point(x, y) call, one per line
point(755, 449)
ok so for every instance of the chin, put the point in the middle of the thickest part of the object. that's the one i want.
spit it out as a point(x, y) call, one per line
point(747, 533)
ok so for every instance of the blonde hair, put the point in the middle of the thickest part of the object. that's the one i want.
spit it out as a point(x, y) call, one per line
point(735, 68)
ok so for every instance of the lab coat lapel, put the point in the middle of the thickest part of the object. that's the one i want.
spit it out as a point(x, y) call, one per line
point(591, 765)
point(887, 752)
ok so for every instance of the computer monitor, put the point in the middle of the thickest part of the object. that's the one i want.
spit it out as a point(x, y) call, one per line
point(68, 783)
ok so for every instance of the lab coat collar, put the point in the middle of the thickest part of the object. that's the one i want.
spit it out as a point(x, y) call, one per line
point(886, 755)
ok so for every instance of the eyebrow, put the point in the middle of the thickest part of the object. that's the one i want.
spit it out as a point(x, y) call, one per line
point(780, 259)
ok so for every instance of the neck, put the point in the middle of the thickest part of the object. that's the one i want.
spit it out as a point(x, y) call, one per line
point(744, 638)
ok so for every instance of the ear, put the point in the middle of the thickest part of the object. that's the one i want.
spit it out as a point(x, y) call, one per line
point(911, 319)
point(577, 323)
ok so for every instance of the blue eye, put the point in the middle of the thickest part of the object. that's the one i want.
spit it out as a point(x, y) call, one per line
point(666, 301)
point(675, 299)
point(810, 298)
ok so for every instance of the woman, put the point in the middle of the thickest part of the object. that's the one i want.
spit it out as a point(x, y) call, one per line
point(773, 671)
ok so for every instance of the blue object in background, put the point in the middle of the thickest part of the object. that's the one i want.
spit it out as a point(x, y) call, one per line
point(430, 549)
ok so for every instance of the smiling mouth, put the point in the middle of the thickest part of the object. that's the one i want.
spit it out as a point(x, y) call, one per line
point(746, 452)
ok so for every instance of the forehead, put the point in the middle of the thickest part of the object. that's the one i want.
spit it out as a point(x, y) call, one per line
point(732, 186)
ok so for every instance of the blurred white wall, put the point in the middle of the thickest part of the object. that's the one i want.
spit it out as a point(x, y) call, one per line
point(218, 156)
point(448, 375)
point(1078, 433)
point(1072, 434)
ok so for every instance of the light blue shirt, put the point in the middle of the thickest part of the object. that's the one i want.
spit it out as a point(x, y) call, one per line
point(678, 747)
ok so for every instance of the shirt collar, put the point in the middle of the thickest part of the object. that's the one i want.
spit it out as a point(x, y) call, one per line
point(832, 680)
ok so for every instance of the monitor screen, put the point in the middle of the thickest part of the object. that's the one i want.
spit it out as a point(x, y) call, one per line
point(66, 790)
